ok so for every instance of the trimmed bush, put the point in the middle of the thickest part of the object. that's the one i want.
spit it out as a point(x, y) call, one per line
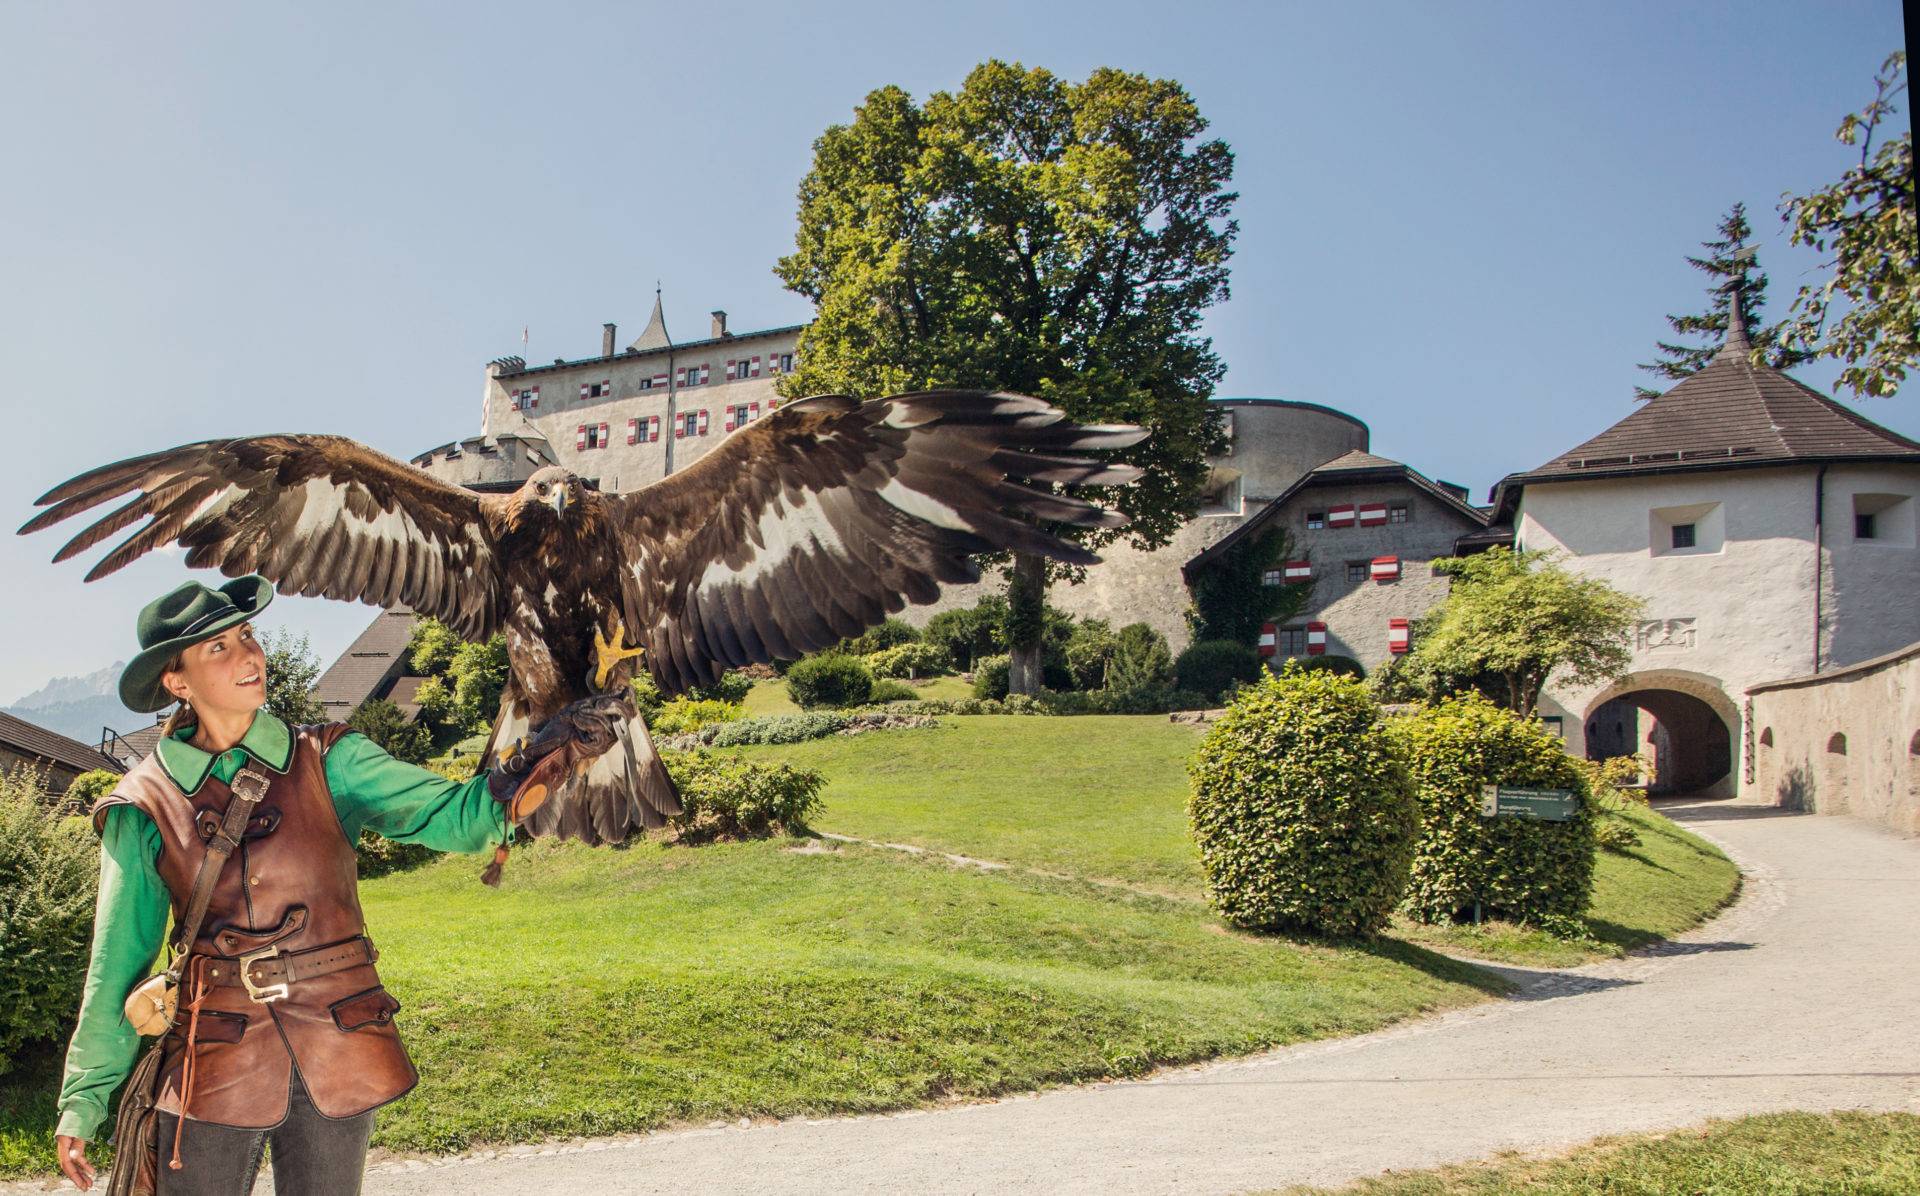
point(828, 680)
point(889, 633)
point(1141, 660)
point(888, 690)
point(1088, 651)
point(911, 661)
point(1212, 667)
point(1346, 666)
point(1539, 873)
point(1302, 808)
point(728, 797)
point(88, 788)
point(688, 714)
point(990, 678)
point(380, 855)
point(732, 687)
point(49, 876)
point(775, 728)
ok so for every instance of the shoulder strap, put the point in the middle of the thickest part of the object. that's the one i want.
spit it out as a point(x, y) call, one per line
point(248, 788)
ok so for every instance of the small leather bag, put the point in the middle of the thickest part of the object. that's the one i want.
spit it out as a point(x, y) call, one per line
point(153, 1003)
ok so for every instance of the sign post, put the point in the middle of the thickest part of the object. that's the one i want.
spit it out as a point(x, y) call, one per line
point(1539, 805)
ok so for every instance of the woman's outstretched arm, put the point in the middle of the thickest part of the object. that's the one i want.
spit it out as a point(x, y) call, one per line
point(129, 928)
point(407, 803)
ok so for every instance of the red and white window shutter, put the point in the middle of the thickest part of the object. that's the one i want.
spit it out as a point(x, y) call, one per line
point(1341, 516)
point(753, 411)
point(728, 426)
point(1316, 639)
point(1398, 635)
point(756, 367)
point(653, 428)
point(1269, 639)
point(633, 430)
point(730, 365)
point(1297, 571)
point(1386, 568)
point(703, 421)
point(580, 438)
point(606, 438)
point(659, 380)
point(1373, 514)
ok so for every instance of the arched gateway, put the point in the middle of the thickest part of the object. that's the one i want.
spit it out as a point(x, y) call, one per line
point(1685, 721)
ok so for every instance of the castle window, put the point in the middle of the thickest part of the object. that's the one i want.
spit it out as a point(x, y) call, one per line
point(1293, 641)
point(1316, 520)
point(1272, 577)
point(1398, 513)
point(1359, 571)
point(1885, 520)
point(1837, 744)
point(690, 424)
point(596, 390)
point(1863, 527)
point(526, 400)
point(1683, 535)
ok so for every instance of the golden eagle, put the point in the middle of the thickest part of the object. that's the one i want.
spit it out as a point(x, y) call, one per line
point(793, 533)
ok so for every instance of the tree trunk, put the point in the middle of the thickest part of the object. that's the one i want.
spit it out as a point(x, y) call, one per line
point(1026, 622)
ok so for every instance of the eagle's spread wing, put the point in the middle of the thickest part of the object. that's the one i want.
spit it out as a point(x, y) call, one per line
point(314, 514)
point(816, 522)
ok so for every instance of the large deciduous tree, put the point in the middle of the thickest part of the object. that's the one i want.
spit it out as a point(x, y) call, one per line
point(1866, 222)
point(1512, 619)
point(1731, 264)
point(1029, 234)
point(292, 671)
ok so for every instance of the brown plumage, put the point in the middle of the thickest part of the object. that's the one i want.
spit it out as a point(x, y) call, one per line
point(796, 531)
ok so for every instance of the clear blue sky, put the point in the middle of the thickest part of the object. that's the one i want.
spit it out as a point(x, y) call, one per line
point(1460, 222)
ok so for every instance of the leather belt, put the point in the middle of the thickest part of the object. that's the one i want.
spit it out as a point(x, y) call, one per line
point(266, 973)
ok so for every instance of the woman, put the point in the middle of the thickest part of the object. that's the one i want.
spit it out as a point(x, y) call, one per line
point(284, 1034)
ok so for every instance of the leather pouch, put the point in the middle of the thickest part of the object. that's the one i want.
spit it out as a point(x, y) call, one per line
point(376, 1006)
point(150, 1005)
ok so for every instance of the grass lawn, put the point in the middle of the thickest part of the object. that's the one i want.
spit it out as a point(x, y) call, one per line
point(1105, 797)
point(607, 991)
point(770, 697)
point(1779, 1154)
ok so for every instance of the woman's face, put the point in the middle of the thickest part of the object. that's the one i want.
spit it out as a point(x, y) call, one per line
point(224, 675)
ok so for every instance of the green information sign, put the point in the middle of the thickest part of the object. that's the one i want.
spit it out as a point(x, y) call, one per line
point(1542, 805)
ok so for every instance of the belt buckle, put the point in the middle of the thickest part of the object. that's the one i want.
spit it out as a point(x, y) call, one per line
point(261, 994)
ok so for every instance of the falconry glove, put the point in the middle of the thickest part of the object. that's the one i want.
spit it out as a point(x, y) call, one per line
point(587, 726)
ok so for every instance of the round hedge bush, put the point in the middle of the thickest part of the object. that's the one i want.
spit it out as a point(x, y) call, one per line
point(1302, 808)
point(1539, 873)
point(990, 677)
point(1211, 667)
point(829, 680)
point(1336, 663)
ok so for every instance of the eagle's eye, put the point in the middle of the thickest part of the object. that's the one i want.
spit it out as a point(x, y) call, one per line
point(543, 487)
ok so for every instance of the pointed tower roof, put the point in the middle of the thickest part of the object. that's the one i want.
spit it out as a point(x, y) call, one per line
point(1730, 415)
point(654, 335)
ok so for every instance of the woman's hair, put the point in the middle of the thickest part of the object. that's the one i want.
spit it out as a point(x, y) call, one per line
point(182, 715)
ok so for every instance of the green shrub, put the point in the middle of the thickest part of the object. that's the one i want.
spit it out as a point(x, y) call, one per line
point(728, 797)
point(912, 661)
point(889, 633)
point(888, 690)
point(1539, 873)
point(1141, 660)
point(381, 721)
point(1302, 808)
point(1346, 666)
point(775, 728)
point(1212, 667)
point(1131, 701)
point(828, 680)
point(732, 687)
point(1615, 834)
point(990, 677)
point(461, 766)
point(49, 874)
point(647, 698)
point(380, 855)
point(689, 714)
point(87, 788)
point(971, 632)
point(1088, 652)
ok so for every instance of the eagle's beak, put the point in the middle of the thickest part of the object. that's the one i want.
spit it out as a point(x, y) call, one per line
point(559, 500)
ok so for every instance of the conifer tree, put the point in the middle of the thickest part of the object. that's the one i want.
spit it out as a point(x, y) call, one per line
point(1725, 261)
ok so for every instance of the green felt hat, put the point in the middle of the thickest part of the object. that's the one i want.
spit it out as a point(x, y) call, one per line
point(188, 614)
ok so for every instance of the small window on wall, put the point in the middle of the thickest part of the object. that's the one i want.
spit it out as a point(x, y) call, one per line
point(1293, 641)
point(1697, 529)
point(1359, 571)
point(1273, 577)
point(1885, 520)
point(1226, 429)
point(1399, 513)
point(1316, 520)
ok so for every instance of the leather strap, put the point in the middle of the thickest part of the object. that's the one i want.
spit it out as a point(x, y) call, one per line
point(248, 788)
point(296, 966)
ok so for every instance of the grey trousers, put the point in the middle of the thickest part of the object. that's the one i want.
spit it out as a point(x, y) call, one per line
point(313, 1155)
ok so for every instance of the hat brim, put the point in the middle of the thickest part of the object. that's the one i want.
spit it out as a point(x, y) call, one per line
point(140, 688)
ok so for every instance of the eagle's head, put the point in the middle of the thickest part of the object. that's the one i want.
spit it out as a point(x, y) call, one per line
point(552, 493)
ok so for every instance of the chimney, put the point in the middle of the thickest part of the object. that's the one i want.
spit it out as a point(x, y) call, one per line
point(719, 324)
point(606, 340)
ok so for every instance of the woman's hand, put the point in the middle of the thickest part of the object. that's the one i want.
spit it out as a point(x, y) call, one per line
point(73, 1161)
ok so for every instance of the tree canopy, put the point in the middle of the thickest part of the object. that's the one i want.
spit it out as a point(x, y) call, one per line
point(292, 671)
point(1513, 620)
point(1865, 220)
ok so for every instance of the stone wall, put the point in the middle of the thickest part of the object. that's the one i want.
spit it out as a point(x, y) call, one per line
point(1846, 742)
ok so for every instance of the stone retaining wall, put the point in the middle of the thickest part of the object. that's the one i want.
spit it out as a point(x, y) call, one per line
point(1845, 742)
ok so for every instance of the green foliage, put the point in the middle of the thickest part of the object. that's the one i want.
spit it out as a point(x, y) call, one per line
point(1519, 617)
point(458, 767)
point(463, 679)
point(1121, 701)
point(292, 670)
point(778, 728)
point(970, 632)
point(1231, 599)
point(731, 687)
point(87, 788)
point(381, 721)
point(1866, 221)
point(1141, 660)
point(1211, 667)
point(49, 869)
point(728, 797)
point(1537, 873)
point(1088, 652)
point(990, 677)
point(1302, 808)
point(1730, 273)
point(888, 633)
point(690, 714)
point(380, 855)
point(1333, 662)
point(431, 647)
point(647, 697)
point(887, 689)
point(913, 661)
point(828, 680)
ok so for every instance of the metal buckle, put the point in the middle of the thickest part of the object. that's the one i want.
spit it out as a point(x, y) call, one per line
point(261, 994)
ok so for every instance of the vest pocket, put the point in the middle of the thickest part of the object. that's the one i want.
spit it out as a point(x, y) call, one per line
point(215, 1026)
point(376, 1006)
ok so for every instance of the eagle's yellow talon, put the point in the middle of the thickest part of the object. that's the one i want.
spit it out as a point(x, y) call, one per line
point(609, 652)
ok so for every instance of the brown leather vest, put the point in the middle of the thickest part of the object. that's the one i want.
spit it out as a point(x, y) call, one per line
point(293, 885)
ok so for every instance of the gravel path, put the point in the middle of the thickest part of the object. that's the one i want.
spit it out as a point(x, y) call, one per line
point(1803, 996)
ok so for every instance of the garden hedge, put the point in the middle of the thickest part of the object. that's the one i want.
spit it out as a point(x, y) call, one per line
point(828, 680)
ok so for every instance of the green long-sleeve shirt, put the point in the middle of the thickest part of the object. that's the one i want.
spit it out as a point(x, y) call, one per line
point(371, 791)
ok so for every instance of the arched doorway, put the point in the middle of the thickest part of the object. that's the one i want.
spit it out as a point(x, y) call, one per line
point(1684, 721)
